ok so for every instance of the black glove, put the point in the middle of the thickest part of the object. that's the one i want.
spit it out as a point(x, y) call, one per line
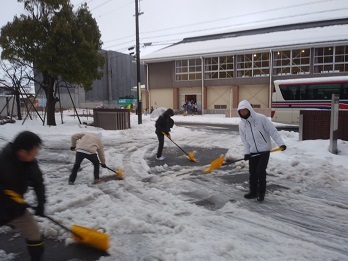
point(39, 210)
point(72, 148)
point(247, 156)
point(283, 147)
point(103, 165)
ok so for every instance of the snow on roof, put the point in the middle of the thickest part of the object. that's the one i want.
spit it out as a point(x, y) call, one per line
point(317, 35)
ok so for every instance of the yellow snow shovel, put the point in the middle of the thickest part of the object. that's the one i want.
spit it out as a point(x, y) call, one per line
point(81, 234)
point(118, 172)
point(190, 154)
point(219, 162)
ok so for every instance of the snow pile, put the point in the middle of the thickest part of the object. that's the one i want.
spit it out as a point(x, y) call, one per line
point(164, 221)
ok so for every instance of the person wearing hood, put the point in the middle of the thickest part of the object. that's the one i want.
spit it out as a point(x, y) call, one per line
point(88, 146)
point(18, 171)
point(256, 131)
point(163, 125)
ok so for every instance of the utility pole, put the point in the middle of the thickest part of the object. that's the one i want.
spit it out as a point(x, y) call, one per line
point(137, 51)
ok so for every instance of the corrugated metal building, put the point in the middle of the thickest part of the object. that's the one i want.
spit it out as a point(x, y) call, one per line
point(119, 77)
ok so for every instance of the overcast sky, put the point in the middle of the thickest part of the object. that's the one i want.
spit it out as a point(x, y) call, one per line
point(165, 22)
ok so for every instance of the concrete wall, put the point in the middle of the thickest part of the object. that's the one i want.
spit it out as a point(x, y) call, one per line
point(255, 94)
point(162, 98)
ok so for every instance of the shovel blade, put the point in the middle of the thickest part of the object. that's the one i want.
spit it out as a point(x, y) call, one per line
point(215, 164)
point(90, 237)
point(192, 156)
point(119, 173)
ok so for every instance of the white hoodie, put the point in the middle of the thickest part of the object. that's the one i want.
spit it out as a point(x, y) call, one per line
point(256, 131)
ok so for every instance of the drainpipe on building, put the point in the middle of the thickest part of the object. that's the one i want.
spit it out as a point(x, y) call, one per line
point(147, 87)
point(231, 96)
point(202, 95)
point(109, 77)
point(270, 78)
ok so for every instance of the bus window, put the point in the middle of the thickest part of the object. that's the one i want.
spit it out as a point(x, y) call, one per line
point(344, 91)
point(287, 92)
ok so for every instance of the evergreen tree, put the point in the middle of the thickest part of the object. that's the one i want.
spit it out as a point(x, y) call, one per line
point(59, 43)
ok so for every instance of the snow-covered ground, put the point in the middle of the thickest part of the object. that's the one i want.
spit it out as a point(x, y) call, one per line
point(156, 221)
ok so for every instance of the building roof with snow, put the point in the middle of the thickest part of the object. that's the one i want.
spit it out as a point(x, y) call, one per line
point(269, 38)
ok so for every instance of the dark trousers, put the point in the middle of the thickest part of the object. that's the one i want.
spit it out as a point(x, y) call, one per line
point(257, 170)
point(160, 137)
point(79, 158)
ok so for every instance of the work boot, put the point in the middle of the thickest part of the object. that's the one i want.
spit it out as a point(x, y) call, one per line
point(250, 195)
point(260, 197)
point(35, 249)
point(97, 181)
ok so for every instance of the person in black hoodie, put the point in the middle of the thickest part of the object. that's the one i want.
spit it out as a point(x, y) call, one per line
point(19, 170)
point(163, 125)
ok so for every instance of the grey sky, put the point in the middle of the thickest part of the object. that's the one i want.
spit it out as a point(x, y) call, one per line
point(167, 21)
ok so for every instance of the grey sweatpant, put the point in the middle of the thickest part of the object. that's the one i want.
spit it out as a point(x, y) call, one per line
point(27, 226)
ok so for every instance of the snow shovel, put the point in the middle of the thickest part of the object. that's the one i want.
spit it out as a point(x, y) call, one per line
point(118, 172)
point(219, 162)
point(190, 154)
point(81, 234)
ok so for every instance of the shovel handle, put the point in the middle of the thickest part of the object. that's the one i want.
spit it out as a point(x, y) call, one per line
point(62, 226)
point(18, 198)
point(254, 155)
point(175, 144)
point(108, 167)
point(59, 224)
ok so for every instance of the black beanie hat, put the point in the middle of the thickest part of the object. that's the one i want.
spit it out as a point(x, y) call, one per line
point(26, 140)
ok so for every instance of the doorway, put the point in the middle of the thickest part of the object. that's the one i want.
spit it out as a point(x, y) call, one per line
point(190, 103)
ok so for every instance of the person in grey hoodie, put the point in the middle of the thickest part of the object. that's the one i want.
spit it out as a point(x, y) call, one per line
point(256, 131)
point(88, 146)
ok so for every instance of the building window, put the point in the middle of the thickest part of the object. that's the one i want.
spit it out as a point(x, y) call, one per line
point(331, 59)
point(291, 62)
point(188, 70)
point(218, 67)
point(220, 107)
point(253, 65)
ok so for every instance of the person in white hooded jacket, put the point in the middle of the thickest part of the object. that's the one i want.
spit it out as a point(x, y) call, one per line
point(256, 131)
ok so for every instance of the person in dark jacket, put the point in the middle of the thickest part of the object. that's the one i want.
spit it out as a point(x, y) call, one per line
point(19, 170)
point(163, 125)
point(256, 130)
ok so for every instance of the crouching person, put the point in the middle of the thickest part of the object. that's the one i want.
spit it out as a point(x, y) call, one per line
point(19, 170)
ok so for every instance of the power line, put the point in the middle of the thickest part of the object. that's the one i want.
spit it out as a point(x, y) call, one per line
point(151, 38)
point(172, 41)
point(242, 15)
point(112, 11)
point(226, 26)
point(100, 5)
point(228, 18)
